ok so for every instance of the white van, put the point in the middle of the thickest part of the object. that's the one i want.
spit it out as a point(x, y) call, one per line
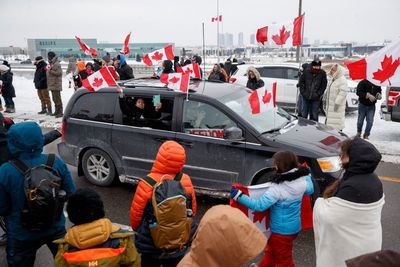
point(286, 77)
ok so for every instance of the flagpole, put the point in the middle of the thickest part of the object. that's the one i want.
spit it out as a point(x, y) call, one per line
point(300, 62)
point(218, 30)
point(204, 54)
point(298, 47)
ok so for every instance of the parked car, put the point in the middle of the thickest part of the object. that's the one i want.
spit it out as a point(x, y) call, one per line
point(225, 143)
point(286, 75)
point(390, 109)
point(26, 61)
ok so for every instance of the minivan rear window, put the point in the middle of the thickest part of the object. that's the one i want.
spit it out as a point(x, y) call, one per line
point(95, 107)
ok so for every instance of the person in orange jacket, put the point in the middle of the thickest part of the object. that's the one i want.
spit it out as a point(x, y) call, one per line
point(169, 162)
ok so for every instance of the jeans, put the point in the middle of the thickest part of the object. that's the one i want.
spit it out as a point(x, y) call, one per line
point(9, 101)
point(310, 107)
point(368, 113)
point(278, 252)
point(22, 253)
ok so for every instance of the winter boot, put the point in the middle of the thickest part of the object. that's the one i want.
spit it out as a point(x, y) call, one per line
point(49, 111)
point(11, 109)
point(44, 111)
point(365, 137)
point(1, 108)
point(358, 134)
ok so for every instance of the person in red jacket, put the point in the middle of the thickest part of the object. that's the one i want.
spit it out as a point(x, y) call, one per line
point(169, 162)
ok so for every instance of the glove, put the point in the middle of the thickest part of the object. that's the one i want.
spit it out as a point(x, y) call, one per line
point(336, 108)
point(235, 193)
point(379, 96)
point(370, 97)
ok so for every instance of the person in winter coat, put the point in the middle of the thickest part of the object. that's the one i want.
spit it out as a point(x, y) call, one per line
point(216, 74)
point(54, 83)
point(224, 71)
point(25, 142)
point(312, 87)
point(169, 162)
point(93, 236)
point(71, 69)
point(7, 88)
point(80, 75)
point(234, 67)
point(96, 65)
point(225, 237)
point(167, 67)
point(347, 221)
point(284, 198)
point(368, 94)
point(40, 81)
point(124, 70)
point(254, 80)
point(335, 97)
point(228, 66)
point(106, 60)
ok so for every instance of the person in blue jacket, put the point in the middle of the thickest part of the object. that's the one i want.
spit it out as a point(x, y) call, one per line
point(283, 197)
point(25, 142)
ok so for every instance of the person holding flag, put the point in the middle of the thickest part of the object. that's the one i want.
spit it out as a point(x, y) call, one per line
point(124, 70)
point(283, 197)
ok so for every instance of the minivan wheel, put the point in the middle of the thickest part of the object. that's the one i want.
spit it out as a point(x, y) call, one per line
point(98, 167)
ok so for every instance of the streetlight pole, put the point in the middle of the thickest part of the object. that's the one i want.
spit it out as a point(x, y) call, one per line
point(218, 29)
point(298, 47)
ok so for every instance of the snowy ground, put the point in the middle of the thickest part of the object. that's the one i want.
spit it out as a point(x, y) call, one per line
point(384, 135)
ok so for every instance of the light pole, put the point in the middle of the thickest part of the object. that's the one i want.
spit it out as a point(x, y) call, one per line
point(298, 47)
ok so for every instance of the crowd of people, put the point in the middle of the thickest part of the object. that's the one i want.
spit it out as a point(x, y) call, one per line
point(164, 208)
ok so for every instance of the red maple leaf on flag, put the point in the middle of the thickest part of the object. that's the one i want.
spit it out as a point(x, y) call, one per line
point(259, 216)
point(388, 69)
point(97, 82)
point(282, 37)
point(157, 56)
point(174, 80)
point(267, 97)
point(188, 71)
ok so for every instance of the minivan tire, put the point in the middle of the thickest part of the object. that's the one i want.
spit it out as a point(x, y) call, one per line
point(98, 167)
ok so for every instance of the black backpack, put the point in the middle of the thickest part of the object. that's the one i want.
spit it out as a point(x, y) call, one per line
point(44, 197)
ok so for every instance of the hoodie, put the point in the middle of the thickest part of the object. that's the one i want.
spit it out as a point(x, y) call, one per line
point(124, 70)
point(360, 184)
point(225, 237)
point(25, 142)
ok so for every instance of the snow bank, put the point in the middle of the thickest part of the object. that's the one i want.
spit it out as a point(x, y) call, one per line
point(384, 135)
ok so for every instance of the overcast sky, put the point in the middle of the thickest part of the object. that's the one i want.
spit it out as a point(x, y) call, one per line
point(179, 21)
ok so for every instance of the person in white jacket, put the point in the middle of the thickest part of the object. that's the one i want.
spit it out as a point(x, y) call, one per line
point(336, 98)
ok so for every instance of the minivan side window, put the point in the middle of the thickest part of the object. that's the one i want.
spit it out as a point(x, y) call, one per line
point(203, 119)
point(95, 107)
point(292, 74)
point(146, 111)
point(272, 72)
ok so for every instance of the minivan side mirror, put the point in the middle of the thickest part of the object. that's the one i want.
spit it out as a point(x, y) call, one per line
point(233, 134)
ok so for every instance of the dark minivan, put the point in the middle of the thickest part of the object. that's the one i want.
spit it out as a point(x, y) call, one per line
point(225, 143)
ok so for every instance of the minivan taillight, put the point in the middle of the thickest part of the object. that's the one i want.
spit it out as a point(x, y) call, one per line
point(233, 80)
point(393, 97)
point(63, 128)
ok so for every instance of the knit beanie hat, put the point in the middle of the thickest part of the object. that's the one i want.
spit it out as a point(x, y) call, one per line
point(51, 55)
point(106, 58)
point(85, 206)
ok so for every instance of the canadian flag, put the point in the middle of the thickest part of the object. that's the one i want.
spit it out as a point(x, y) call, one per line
point(159, 55)
point(125, 48)
point(86, 49)
point(218, 18)
point(263, 99)
point(262, 219)
point(192, 69)
point(283, 34)
point(380, 68)
point(176, 81)
point(104, 77)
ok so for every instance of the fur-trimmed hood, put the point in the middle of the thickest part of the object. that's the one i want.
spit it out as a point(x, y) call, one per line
point(290, 175)
point(255, 71)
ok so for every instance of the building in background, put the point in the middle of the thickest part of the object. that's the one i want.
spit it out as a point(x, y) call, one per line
point(221, 38)
point(70, 47)
point(228, 39)
point(252, 39)
point(240, 39)
point(11, 51)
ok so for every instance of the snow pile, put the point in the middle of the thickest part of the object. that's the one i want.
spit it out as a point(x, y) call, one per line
point(384, 135)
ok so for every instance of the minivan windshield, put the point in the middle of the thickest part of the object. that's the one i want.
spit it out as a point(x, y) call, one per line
point(265, 121)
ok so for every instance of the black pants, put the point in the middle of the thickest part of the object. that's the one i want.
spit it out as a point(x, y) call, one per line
point(148, 261)
point(23, 253)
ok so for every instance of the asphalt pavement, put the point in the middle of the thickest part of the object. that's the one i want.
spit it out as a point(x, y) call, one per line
point(118, 199)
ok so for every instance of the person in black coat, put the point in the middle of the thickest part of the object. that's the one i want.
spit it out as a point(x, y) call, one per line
point(359, 183)
point(7, 88)
point(124, 70)
point(167, 67)
point(40, 81)
point(216, 74)
point(368, 93)
point(254, 80)
point(312, 87)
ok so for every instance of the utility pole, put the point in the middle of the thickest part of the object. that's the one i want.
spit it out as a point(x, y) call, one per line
point(218, 51)
point(299, 46)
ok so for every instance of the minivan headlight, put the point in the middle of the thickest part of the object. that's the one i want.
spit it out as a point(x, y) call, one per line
point(329, 164)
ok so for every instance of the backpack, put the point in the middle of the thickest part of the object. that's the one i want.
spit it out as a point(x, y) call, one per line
point(44, 197)
point(172, 215)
